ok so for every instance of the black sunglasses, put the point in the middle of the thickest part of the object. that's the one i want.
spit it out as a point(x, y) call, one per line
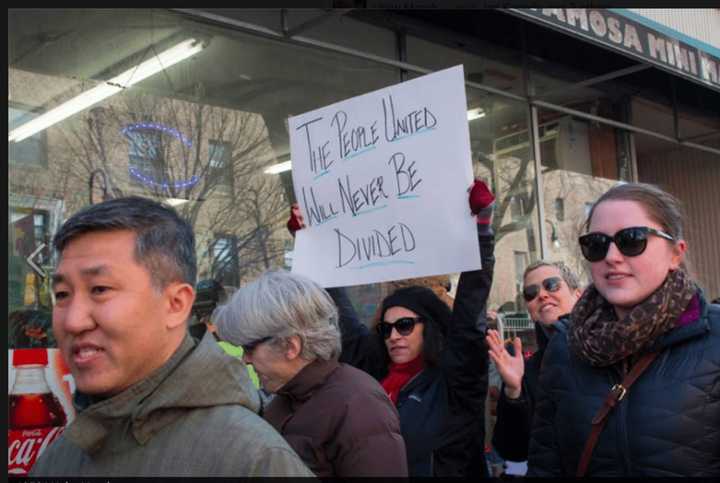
point(551, 284)
point(251, 346)
point(630, 241)
point(404, 326)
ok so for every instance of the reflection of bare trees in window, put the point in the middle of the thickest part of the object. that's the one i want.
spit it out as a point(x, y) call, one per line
point(254, 216)
point(224, 267)
point(514, 188)
point(207, 159)
point(516, 220)
point(578, 191)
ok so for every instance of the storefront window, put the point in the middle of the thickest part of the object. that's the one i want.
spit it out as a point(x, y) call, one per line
point(599, 85)
point(220, 154)
point(580, 160)
point(502, 156)
point(678, 109)
point(225, 261)
point(32, 221)
point(266, 18)
point(29, 152)
point(501, 152)
point(502, 70)
point(205, 132)
point(338, 28)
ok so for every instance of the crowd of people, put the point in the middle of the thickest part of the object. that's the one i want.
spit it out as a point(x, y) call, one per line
point(625, 381)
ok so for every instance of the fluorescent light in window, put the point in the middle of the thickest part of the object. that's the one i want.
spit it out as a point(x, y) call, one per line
point(109, 88)
point(279, 168)
point(473, 114)
point(175, 201)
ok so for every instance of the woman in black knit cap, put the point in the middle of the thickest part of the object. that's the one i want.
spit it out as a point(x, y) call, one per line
point(431, 360)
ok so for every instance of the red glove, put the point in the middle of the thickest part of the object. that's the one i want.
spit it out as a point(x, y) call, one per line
point(295, 222)
point(481, 202)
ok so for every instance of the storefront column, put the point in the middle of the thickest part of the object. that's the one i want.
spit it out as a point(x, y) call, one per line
point(537, 163)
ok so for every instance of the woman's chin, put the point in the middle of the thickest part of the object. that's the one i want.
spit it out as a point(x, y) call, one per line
point(545, 322)
point(400, 356)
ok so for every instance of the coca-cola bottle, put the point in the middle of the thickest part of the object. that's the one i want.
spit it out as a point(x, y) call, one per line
point(36, 416)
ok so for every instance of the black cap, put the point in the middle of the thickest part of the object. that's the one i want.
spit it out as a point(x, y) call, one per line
point(423, 302)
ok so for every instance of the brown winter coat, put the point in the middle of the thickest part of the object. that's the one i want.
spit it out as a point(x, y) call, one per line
point(340, 421)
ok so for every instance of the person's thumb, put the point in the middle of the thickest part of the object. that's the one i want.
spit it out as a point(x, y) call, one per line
point(517, 345)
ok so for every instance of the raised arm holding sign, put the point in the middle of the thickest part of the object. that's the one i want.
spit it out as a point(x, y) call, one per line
point(382, 187)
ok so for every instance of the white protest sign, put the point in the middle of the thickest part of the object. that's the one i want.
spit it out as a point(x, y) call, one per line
point(381, 180)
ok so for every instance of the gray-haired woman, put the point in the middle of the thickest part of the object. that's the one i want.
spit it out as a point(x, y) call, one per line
point(337, 418)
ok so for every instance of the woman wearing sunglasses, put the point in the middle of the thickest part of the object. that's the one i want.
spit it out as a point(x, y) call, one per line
point(431, 360)
point(550, 291)
point(631, 386)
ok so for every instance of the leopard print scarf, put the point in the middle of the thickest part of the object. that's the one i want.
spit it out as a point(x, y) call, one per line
point(598, 337)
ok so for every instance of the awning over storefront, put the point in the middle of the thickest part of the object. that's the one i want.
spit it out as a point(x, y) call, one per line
point(633, 35)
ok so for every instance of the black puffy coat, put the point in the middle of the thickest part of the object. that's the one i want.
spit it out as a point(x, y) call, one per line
point(441, 409)
point(668, 424)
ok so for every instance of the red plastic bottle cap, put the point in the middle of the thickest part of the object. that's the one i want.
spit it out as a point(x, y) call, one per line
point(24, 357)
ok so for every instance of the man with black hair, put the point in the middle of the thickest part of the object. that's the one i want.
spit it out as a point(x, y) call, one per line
point(151, 401)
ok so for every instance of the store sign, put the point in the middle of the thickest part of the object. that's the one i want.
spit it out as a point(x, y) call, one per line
point(381, 180)
point(633, 38)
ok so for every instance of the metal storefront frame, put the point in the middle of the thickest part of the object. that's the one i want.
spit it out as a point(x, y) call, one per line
point(292, 37)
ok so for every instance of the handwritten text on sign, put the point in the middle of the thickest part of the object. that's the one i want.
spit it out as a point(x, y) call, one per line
point(381, 181)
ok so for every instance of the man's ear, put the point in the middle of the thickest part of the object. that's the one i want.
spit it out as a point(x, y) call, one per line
point(180, 298)
point(293, 347)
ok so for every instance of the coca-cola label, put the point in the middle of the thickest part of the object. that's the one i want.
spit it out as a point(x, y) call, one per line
point(25, 446)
